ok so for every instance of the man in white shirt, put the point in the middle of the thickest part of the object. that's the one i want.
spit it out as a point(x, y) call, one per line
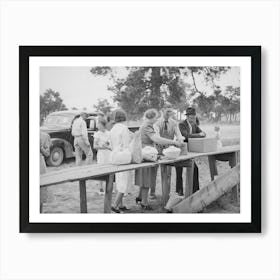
point(81, 142)
point(167, 128)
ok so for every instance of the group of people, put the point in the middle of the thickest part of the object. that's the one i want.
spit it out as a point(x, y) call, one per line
point(155, 131)
point(161, 132)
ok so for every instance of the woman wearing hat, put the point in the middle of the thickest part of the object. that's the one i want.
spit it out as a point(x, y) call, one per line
point(189, 129)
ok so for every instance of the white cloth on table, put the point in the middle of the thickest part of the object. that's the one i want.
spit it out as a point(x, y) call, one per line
point(102, 137)
point(120, 137)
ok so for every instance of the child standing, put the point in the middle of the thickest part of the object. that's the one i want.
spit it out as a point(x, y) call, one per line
point(102, 145)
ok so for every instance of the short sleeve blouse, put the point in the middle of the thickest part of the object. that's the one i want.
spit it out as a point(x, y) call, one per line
point(147, 132)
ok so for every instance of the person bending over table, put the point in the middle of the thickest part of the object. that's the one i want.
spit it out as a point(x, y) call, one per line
point(167, 128)
point(189, 129)
point(149, 137)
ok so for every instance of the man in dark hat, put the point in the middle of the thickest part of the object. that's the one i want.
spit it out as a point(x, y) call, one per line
point(189, 129)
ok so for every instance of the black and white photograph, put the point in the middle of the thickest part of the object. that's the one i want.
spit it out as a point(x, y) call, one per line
point(143, 137)
point(139, 140)
point(163, 125)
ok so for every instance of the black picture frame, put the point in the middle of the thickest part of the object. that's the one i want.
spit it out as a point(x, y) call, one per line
point(254, 52)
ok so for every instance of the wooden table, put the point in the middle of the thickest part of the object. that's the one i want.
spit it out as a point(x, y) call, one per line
point(102, 172)
point(228, 153)
point(106, 173)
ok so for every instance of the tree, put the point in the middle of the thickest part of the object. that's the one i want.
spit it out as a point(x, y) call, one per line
point(50, 101)
point(151, 87)
point(103, 106)
point(205, 105)
point(222, 103)
point(233, 95)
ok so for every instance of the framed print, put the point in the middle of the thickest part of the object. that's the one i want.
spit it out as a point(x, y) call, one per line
point(140, 138)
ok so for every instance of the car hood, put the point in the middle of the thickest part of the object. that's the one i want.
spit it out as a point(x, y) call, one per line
point(53, 128)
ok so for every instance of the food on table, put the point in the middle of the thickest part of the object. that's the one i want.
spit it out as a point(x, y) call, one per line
point(149, 153)
point(172, 152)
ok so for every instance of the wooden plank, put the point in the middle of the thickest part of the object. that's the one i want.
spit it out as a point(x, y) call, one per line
point(189, 179)
point(88, 172)
point(234, 162)
point(169, 170)
point(200, 199)
point(108, 193)
point(212, 166)
point(97, 170)
point(190, 155)
point(238, 185)
point(164, 184)
point(83, 196)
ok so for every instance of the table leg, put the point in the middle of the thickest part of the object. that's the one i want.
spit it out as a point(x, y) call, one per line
point(212, 166)
point(234, 161)
point(169, 170)
point(189, 178)
point(164, 184)
point(108, 193)
point(83, 196)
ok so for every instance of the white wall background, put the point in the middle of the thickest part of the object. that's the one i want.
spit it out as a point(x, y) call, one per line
point(139, 256)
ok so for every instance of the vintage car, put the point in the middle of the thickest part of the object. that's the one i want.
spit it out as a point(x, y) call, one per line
point(58, 126)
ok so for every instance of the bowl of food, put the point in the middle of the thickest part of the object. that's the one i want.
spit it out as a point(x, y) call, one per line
point(171, 152)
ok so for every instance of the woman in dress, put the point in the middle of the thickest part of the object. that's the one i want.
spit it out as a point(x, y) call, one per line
point(102, 145)
point(149, 137)
point(120, 138)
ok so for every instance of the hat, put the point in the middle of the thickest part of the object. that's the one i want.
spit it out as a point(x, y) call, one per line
point(190, 111)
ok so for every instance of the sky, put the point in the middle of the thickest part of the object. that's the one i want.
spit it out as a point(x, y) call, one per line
point(81, 89)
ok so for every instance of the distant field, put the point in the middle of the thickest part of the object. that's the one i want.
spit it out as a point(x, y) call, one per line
point(227, 130)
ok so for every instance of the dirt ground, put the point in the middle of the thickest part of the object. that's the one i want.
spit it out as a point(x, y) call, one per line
point(64, 198)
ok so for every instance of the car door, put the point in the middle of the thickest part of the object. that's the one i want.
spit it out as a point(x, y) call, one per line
point(91, 128)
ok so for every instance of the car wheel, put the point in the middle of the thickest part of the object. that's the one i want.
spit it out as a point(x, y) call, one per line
point(56, 156)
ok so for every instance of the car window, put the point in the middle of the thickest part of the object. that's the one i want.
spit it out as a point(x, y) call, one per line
point(92, 124)
point(59, 120)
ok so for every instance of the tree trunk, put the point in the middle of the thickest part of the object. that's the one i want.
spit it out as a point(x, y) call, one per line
point(156, 99)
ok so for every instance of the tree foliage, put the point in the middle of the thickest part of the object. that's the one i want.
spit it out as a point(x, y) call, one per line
point(221, 103)
point(50, 102)
point(103, 106)
point(152, 87)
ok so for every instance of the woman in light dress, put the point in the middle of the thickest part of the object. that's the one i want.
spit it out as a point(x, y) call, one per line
point(120, 138)
point(102, 145)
